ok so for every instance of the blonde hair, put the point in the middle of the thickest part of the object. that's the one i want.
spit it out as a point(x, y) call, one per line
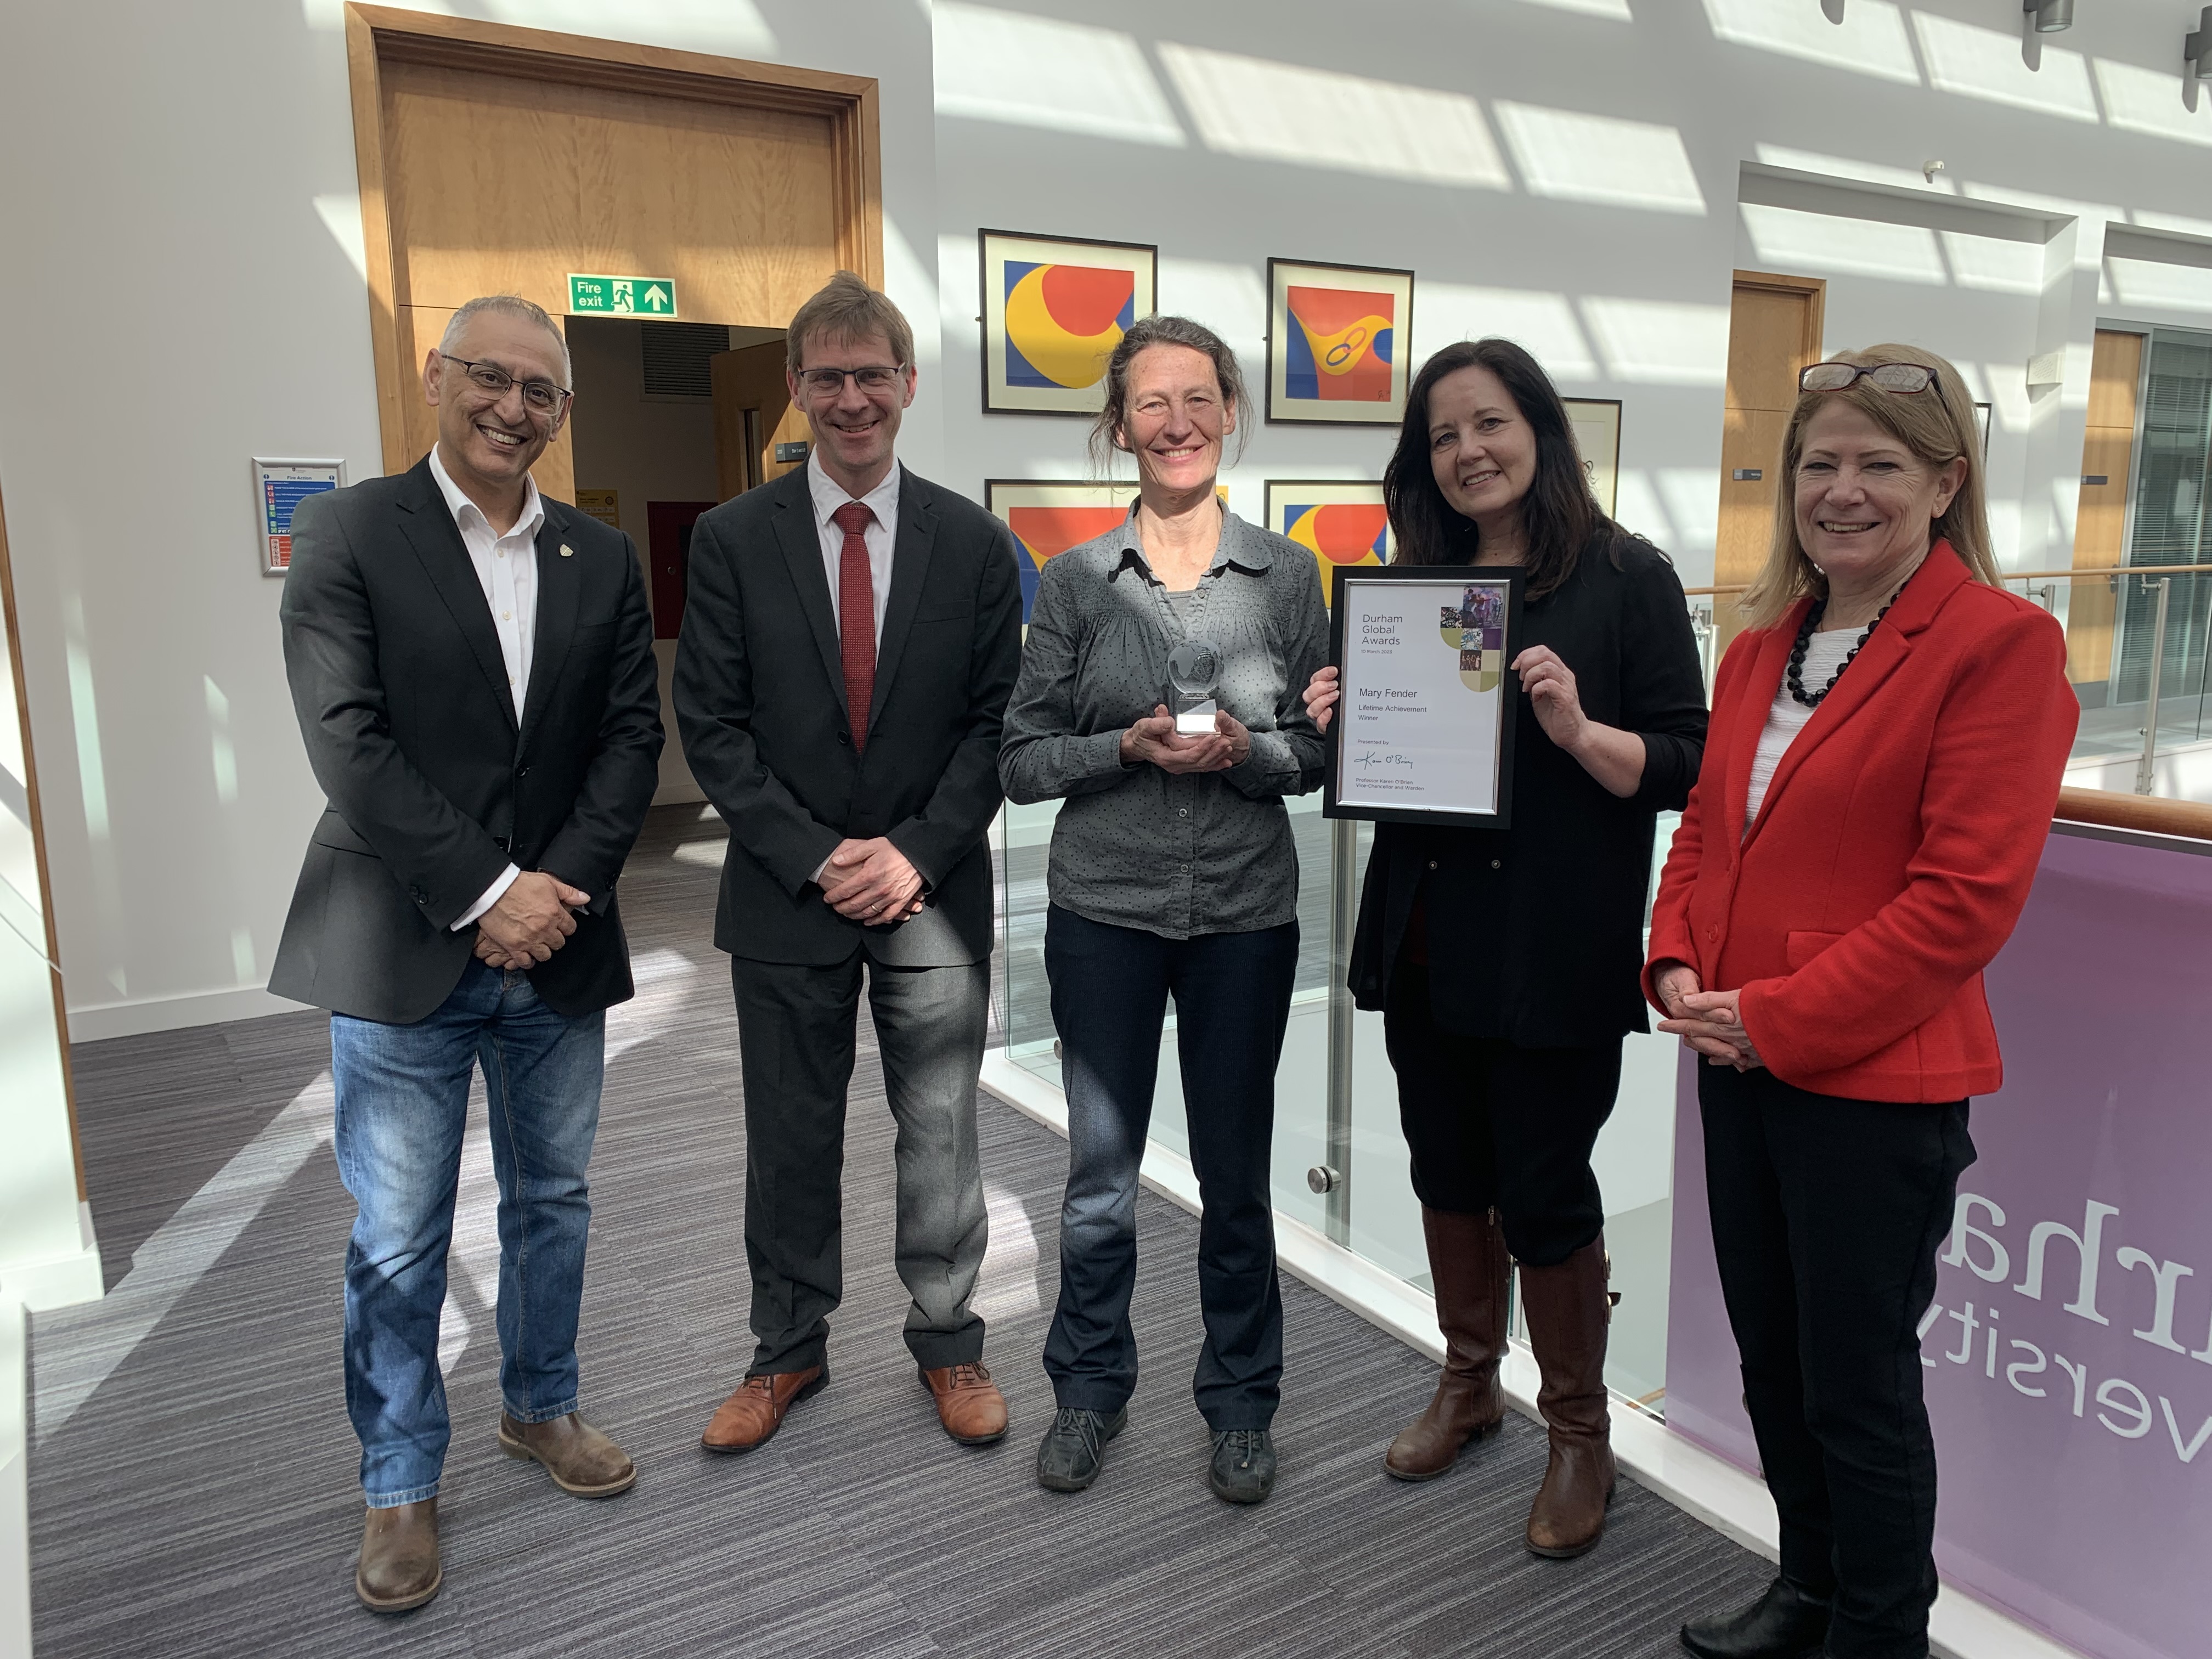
point(1937, 425)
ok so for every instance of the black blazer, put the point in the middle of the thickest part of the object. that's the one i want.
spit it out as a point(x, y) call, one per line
point(1535, 933)
point(760, 701)
point(403, 703)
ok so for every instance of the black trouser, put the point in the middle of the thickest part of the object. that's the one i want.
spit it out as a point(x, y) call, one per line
point(1232, 994)
point(1827, 1212)
point(1489, 1123)
point(795, 1041)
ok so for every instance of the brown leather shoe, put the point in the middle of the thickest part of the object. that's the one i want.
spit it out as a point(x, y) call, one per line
point(1568, 1311)
point(1469, 1266)
point(750, 1416)
point(581, 1461)
point(399, 1567)
point(968, 1403)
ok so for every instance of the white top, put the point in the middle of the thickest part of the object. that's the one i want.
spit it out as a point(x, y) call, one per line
point(1787, 718)
point(507, 571)
point(881, 534)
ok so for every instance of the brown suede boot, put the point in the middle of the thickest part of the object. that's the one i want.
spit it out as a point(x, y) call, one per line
point(399, 1568)
point(1568, 1311)
point(1467, 1264)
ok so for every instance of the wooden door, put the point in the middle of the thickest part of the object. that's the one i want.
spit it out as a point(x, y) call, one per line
point(753, 414)
point(497, 159)
point(2100, 527)
point(1774, 331)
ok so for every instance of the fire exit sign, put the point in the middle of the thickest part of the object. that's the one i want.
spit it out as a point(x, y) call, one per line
point(621, 296)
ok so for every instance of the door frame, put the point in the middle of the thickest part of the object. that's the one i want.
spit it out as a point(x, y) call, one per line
point(376, 35)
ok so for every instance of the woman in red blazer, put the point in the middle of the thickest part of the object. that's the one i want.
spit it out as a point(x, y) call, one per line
point(1887, 742)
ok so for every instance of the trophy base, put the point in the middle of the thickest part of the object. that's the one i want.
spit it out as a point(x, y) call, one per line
point(1196, 721)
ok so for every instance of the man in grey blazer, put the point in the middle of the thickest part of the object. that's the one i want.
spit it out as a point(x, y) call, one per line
point(850, 638)
point(472, 669)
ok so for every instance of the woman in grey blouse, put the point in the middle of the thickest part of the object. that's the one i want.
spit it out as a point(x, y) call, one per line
point(1172, 872)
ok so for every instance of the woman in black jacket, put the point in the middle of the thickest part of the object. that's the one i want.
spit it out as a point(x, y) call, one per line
point(1504, 962)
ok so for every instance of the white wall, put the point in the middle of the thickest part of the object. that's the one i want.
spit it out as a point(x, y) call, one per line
point(184, 176)
point(196, 297)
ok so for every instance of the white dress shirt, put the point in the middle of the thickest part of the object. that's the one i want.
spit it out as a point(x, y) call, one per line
point(881, 534)
point(507, 571)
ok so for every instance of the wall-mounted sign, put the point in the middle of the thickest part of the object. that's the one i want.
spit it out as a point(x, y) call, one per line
point(604, 505)
point(279, 487)
point(621, 296)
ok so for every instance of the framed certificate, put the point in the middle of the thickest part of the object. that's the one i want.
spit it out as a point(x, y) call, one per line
point(1424, 729)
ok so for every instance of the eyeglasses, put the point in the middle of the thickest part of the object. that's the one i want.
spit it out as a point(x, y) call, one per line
point(830, 382)
point(541, 397)
point(1889, 377)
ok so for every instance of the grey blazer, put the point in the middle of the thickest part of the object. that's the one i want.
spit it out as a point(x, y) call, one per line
point(403, 702)
point(760, 700)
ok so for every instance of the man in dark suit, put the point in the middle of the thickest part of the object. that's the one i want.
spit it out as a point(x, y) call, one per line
point(850, 639)
point(472, 668)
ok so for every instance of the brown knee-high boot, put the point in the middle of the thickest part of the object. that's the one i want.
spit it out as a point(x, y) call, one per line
point(1568, 1310)
point(1469, 1266)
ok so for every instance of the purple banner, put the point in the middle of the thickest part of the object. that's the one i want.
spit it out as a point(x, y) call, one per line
point(2068, 1354)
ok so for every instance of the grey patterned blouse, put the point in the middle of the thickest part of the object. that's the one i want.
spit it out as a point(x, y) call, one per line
point(1136, 847)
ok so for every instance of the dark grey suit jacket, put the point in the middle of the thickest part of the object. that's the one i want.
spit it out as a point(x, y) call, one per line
point(760, 701)
point(403, 703)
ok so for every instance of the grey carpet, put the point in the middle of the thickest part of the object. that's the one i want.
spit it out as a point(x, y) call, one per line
point(192, 1473)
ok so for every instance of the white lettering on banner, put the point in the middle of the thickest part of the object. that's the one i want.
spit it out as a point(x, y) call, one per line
point(2118, 1405)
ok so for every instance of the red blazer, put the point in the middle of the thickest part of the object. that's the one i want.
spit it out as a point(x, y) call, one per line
point(1895, 846)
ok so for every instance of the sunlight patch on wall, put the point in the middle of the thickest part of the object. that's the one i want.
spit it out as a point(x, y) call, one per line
point(1544, 323)
point(1994, 265)
point(340, 212)
point(956, 292)
point(1637, 508)
point(1660, 341)
point(1573, 157)
point(1787, 240)
point(1870, 40)
point(1040, 72)
point(2153, 282)
point(2150, 219)
point(1844, 166)
point(2007, 393)
point(2138, 100)
point(1692, 495)
point(1614, 11)
point(1274, 111)
point(1985, 64)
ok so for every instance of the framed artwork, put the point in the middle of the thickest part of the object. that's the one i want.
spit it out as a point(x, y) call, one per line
point(1054, 310)
point(1424, 732)
point(1050, 517)
point(1596, 422)
point(1341, 521)
point(1334, 334)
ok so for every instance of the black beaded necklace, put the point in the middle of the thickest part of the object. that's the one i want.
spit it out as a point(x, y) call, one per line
point(1796, 676)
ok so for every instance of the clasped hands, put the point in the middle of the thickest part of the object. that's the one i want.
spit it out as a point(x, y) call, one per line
point(871, 882)
point(1711, 1022)
point(529, 922)
point(1154, 738)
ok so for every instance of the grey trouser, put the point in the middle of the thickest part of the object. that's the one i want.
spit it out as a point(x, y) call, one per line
point(795, 1036)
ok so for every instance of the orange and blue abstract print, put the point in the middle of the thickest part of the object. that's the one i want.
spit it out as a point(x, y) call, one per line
point(1341, 345)
point(1063, 321)
point(1337, 532)
point(1043, 532)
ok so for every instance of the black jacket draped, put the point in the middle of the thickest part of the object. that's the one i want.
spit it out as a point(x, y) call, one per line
point(1536, 933)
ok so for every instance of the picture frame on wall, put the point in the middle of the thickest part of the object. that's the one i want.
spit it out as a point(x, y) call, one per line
point(1048, 516)
point(1596, 422)
point(1054, 308)
point(1342, 522)
point(1338, 338)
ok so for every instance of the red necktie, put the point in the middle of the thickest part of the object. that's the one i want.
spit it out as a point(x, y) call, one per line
point(856, 617)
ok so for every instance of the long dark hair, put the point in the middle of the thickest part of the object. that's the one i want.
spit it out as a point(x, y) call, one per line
point(1560, 515)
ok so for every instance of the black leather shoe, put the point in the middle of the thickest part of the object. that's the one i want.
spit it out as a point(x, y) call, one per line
point(1785, 1623)
point(1243, 1467)
point(1073, 1447)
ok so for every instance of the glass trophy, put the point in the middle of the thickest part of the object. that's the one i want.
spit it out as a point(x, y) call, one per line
point(1194, 670)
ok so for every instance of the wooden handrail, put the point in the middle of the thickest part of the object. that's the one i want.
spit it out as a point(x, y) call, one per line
point(2111, 570)
point(2149, 813)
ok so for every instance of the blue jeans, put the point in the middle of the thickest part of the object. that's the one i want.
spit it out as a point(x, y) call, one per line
point(1232, 995)
point(403, 1099)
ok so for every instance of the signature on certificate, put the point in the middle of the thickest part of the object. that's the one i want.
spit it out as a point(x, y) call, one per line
point(1392, 758)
